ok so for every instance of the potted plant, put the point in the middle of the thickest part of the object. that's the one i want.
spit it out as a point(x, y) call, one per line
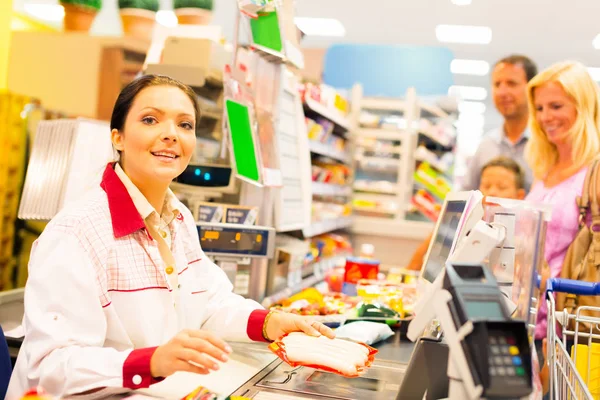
point(79, 14)
point(138, 17)
point(195, 12)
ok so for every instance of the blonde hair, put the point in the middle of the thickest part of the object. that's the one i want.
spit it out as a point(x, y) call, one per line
point(585, 132)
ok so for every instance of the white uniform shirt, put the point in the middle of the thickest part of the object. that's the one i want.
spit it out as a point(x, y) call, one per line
point(99, 300)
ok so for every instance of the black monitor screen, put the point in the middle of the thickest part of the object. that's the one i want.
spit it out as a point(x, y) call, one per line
point(442, 242)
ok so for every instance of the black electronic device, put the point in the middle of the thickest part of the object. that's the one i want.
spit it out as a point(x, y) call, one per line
point(497, 350)
point(209, 176)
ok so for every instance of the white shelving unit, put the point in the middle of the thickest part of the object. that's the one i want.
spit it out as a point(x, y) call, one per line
point(328, 151)
point(328, 225)
point(327, 192)
point(396, 126)
point(333, 115)
point(327, 189)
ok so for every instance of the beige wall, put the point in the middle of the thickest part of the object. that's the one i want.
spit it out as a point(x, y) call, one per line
point(313, 63)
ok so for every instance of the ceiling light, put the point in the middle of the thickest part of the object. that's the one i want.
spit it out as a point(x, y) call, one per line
point(468, 92)
point(463, 34)
point(470, 67)
point(46, 12)
point(461, 2)
point(596, 42)
point(595, 73)
point(471, 107)
point(320, 26)
point(166, 18)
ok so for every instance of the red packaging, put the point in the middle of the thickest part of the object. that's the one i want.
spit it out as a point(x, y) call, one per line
point(360, 268)
point(278, 347)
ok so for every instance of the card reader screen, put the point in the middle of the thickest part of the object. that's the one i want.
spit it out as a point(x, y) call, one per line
point(444, 238)
point(483, 309)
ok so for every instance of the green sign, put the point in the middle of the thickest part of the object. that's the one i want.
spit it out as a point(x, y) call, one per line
point(242, 141)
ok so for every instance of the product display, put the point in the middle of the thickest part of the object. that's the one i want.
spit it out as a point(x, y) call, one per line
point(333, 355)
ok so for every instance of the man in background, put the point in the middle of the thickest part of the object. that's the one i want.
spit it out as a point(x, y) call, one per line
point(509, 91)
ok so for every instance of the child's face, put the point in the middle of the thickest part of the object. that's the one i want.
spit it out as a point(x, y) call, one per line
point(500, 182)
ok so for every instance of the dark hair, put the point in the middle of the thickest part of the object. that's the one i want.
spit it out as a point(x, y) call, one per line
point(130, 92)
point(524, 61)
point(509, 164)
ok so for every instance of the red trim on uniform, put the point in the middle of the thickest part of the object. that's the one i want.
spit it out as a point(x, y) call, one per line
point(180, 217)
point(106, 305)
point(200, 291)
point(138, 290)
point(255, 325)
point(195, 261)
point(125, 217)
point(185, 269)
point(136, 369)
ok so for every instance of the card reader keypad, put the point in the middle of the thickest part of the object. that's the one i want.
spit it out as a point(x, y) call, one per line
point(505, 358)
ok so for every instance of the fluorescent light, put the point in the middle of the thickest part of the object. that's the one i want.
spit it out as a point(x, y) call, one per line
point(468, 92)
point(166, 18)
point(596, 42)
point(46, 12)
point(471, 107)
point(595, 73)
point(461, 2)
point(470, 67)
point(320, 26)
point(463, 34)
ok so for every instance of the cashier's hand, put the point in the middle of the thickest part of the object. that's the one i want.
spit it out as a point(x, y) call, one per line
point(191, 351)
point(281, 323)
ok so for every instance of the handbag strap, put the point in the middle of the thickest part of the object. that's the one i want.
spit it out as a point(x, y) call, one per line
point(583, 201)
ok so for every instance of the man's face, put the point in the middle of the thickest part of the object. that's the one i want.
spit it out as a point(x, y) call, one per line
point(509, 90)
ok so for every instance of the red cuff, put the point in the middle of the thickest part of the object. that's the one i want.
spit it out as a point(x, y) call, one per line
point(255, 325)
point(136, 369)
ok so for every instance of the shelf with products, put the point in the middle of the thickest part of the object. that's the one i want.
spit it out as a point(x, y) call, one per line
point(400, 228)
point(383, 144)
point(330, 189)
point(329, 151)
point(324, 101)
point(327, 225)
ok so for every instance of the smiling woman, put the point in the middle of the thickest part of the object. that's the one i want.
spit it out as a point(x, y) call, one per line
point(564, 105)
point(120, 294)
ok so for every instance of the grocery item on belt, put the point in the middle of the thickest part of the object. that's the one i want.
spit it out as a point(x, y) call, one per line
point(339, 356)
point(364, 332)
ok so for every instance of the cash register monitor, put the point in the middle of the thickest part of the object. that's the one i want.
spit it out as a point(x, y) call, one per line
point(445, 234)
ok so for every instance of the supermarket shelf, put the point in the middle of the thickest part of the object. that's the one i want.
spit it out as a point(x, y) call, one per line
point(382, 134)
point(383, 104)
point(444, 142)
point(383, 197)
point(328, 225)
point(320, 267)
point(374, 210)
point(433, 109)
point(290, 291)
point(269, 54)
point(332, 115)
point(415, 230)
point(327, 189)
point(328, 151)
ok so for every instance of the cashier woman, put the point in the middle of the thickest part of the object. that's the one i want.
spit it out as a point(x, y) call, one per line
point(120, 294)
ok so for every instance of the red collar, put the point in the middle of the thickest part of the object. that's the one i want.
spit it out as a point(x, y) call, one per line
point(125, 218)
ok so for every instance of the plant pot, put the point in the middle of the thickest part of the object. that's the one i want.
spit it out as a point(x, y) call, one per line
point(138, 23)
point(78, 18)
point(193, 16)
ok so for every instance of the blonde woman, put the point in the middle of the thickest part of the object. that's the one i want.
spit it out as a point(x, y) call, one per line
point(564, 105)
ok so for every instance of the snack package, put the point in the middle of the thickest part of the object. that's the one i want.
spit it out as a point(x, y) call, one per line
point(337, 356)
point(364, 332)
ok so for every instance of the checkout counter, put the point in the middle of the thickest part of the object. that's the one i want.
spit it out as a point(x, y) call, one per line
point(256, 373)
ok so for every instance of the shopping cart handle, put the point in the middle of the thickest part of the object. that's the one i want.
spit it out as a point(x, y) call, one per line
point(572, 286)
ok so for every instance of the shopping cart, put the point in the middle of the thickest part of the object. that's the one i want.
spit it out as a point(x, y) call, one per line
point(566, 382)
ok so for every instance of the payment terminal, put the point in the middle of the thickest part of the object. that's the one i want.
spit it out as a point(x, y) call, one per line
point(497, 350)
point(489, 353)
